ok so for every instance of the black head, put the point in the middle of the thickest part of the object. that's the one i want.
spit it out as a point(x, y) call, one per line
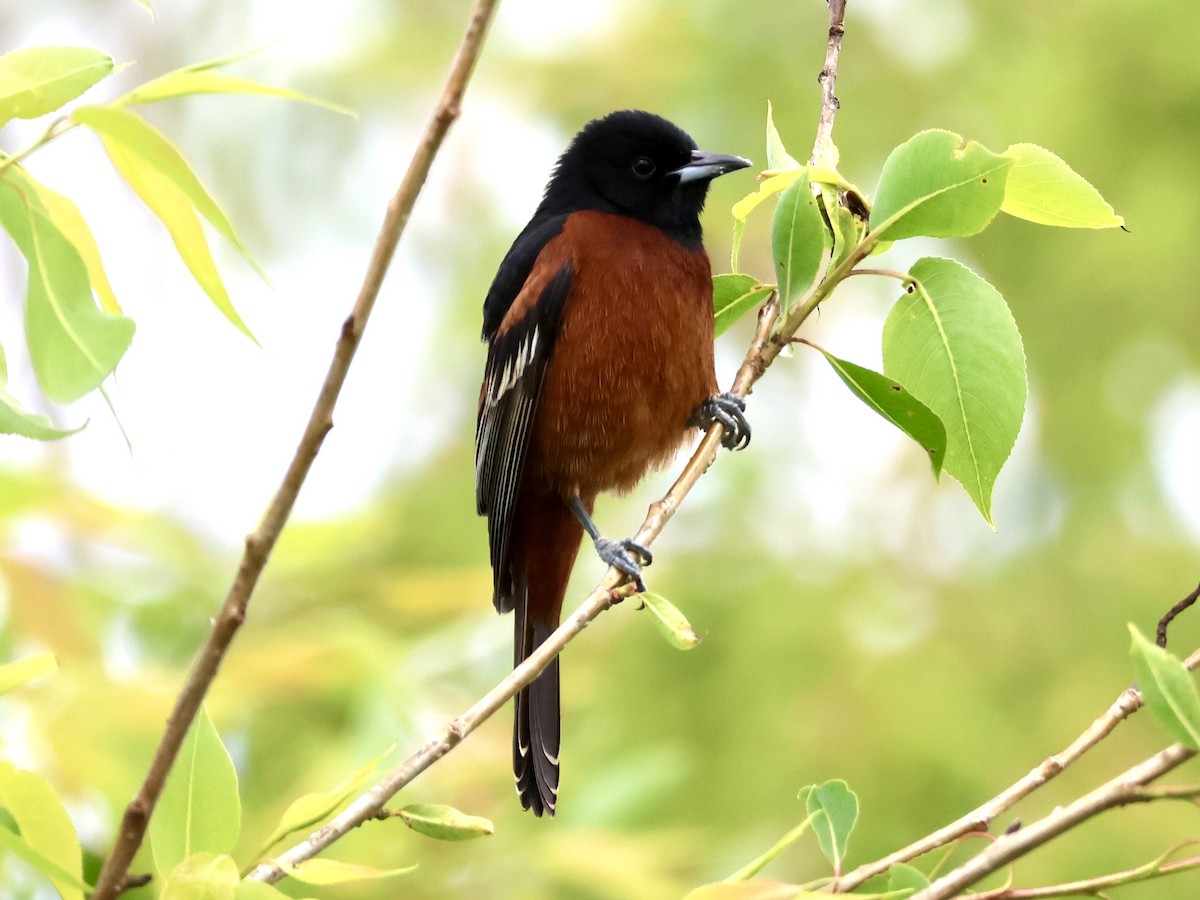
point(637, 164)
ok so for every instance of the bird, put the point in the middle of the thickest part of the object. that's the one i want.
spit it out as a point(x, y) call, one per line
point(599, 334)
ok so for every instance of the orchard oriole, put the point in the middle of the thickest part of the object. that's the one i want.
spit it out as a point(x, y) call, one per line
point(599, 327)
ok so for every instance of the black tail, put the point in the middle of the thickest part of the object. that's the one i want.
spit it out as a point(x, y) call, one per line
point(536, 732)
point(545, 543)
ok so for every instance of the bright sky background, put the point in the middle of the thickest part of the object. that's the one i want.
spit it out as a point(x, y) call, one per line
point(213, 419)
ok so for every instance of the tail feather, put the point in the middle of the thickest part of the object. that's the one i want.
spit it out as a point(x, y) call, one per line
point(536, 737)
point(545, 552)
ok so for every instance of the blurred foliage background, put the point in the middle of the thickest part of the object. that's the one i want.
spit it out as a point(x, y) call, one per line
point(859, 621)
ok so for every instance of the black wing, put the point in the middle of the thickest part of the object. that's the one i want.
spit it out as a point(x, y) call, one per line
point(512, 382)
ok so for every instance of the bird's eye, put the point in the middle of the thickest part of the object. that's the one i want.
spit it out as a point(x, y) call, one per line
point(643, 167)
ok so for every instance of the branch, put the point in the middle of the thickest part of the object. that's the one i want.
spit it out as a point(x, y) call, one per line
point(259, 544)
point(1129, 702)
point(1005, 849)
point(1091, 887)
point(604, 595)
point(764, 348)
point(824, 152)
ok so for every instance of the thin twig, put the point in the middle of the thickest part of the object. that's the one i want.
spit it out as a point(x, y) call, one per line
point(601, 598)
point(1008, 847)
point(262, 541)
point(1091, 887)
point(1126, 704)
point(824, 153)
point(764, 348)
point(58, 127)
point(1165, 622)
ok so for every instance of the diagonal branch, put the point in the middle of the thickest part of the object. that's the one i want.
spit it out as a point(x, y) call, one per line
point(1120, 790)
point(980, 818)
point(262, 541)
point(764, 348)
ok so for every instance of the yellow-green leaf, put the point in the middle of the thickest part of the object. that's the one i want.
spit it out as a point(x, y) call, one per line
point(70, 221)
point(20, 671)
point(1042, 188)
point(310, 809)
point(46, 829)
point(15, 419)
point(38, 80)
point(331, 871)
point(777, 156)
point(160, 175)
point(670, 621)
point(759, 889)
point(185, 82)
point(436, 820)
point(73, 345)
point(258, 890)
point(202, 876)
point(199, 811)
point(756, 865)
point(773, 185)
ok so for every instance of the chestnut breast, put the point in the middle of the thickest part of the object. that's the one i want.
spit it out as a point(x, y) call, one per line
point(633, 358)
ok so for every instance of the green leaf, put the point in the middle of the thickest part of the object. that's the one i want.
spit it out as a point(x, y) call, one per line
point(800, 240)
point(15, 419)
point(436, 820)
point(1168, 689)
point(903, 877)
point(953, 343)
point(38, 80)
point(46, 829)
point(777, 156)
point(73, 345)
point(938, 185)
point(70, 221)
point(202, 876)
point(670, 621)
point(199, 811)
point(17, 846)
point(310, 809)
point(19, 671)
point(1044, 189)
point(187, 82)
point(898, 406)
point(331, 871)
point(844, 225)
point(840, 807)
point(733, 296)
point(162, 178)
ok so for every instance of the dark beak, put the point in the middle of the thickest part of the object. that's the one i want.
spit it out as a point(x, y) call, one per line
point(706, 166)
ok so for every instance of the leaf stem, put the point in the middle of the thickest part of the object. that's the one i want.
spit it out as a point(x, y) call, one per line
point(60, 126)
point(903, 277)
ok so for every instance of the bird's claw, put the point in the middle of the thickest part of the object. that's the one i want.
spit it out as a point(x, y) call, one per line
point(730, 411)
point(620, 555)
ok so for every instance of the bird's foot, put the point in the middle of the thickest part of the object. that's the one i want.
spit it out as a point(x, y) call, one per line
point(621, 555)
point(730, 411)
